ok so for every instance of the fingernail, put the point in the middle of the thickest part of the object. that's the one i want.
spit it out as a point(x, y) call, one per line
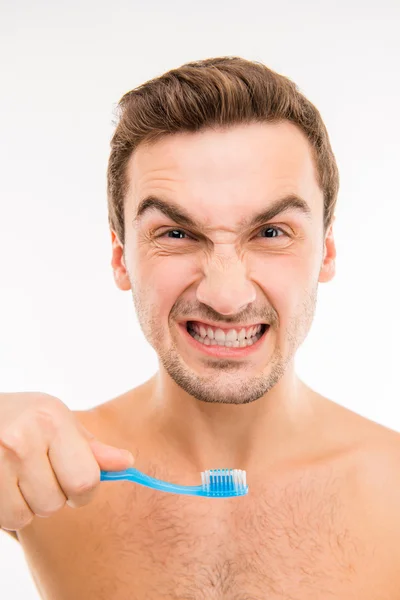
point(128, 455)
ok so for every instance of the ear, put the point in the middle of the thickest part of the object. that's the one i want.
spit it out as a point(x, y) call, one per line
point(118, 263)
point(328, 267)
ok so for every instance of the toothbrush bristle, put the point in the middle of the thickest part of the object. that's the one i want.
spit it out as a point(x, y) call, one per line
point(224, 482)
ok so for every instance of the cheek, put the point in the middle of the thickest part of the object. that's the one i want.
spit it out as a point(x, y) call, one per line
point(162, 280)
point(286, 280)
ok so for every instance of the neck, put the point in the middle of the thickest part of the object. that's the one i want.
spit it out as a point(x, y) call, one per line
point(273, 428)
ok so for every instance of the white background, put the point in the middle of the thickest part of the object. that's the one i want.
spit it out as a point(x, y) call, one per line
point(65, 329)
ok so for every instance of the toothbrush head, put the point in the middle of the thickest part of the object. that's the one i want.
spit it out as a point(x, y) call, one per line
point(224, 483)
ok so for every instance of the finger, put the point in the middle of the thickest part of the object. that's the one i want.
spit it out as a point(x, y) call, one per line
point(109, 458)
point(15, 513)
point(74, 464)
point(39, 485)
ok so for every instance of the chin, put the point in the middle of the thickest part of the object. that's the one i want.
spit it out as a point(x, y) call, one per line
point(213, 386)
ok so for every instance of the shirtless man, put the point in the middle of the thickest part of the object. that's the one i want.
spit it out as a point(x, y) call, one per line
point(222, 188)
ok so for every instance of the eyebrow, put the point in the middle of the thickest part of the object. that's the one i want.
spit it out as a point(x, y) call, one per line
point(180, 216)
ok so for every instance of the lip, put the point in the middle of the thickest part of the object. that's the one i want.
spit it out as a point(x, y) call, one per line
point(223, 351)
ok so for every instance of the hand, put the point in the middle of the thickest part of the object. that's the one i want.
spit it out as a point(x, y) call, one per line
point(47, 459)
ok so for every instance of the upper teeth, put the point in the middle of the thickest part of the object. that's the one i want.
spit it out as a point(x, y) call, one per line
point(229, 336)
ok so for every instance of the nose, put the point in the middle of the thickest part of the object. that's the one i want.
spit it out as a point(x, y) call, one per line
point(225, 286)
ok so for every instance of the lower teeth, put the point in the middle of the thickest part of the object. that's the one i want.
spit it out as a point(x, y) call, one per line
point(236, 344)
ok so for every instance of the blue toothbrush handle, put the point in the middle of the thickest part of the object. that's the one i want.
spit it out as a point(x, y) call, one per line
point(151, 482)
point(128, 474)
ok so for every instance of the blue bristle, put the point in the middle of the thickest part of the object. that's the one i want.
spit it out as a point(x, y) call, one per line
point(223, 482)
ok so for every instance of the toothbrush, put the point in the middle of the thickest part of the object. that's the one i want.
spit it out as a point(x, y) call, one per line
point(216, 483)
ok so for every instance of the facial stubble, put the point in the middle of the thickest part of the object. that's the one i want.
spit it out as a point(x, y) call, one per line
point(226, 381)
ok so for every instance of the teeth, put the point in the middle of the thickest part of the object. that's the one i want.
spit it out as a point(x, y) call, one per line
point(231, 336)
point(219, 335)
point(242, 334)
point(231, 339)
point(203, 331)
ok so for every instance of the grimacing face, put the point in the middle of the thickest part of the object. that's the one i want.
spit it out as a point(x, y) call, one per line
point(221, 266)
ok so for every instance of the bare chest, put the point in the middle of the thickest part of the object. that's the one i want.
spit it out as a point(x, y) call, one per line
point(296, 541)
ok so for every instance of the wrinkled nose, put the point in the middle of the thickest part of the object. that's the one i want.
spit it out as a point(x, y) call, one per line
point(225, 286)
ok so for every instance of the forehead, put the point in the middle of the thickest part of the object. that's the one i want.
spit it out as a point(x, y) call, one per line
point(218, 170)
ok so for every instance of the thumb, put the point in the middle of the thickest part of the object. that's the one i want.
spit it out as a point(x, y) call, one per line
point(109, 458)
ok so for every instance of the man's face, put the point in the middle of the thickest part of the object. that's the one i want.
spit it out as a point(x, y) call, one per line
point(221, 269)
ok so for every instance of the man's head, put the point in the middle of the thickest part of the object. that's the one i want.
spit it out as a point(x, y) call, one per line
point(221, 188)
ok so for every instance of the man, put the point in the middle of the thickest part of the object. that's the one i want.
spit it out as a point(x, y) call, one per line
point(222, 188)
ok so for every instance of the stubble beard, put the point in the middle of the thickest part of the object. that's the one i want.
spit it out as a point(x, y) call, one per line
point(227, 381)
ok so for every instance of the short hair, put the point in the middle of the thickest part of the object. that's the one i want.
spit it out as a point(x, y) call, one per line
point(214, 92)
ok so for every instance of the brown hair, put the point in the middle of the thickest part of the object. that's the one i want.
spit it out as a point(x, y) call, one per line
point(213, 92)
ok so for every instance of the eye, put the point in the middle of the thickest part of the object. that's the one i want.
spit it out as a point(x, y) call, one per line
point(272, 232)
point(175, 234)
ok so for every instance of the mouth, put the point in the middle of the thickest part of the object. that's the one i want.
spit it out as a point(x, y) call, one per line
point(224, 342)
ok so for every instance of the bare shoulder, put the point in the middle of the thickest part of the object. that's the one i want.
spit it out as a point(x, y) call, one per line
point(379, 454)
point(373, 452)
point(376, 447)
point(116, 420)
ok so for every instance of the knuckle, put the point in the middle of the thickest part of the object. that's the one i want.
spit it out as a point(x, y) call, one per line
point(85, 486)
point(14, 441)
point(49, 413)
point(45, 419)
point(50, 509)
point(46, 400)
point(18, 521)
